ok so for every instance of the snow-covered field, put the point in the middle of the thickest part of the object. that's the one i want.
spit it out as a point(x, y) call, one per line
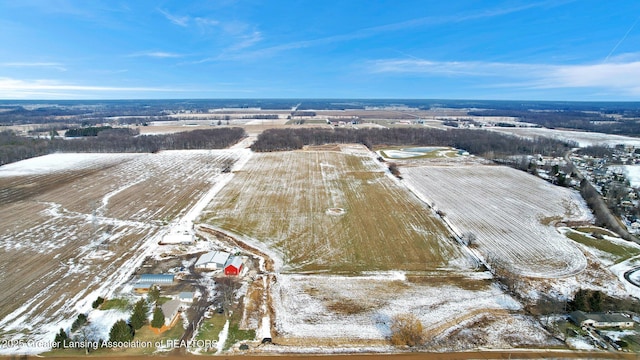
point(86, 224)
point(358, 308)
point(74, 227)
point(583, 138)
point(48, 164)
point(510, 212)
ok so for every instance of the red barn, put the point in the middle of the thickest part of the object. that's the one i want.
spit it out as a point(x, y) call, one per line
point(233, 266)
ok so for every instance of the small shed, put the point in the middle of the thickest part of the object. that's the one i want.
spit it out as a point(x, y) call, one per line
point(234, 266)
point(186, 297)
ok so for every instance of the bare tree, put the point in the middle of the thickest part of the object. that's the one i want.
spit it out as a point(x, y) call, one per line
point(469, 238)
point(226, 288)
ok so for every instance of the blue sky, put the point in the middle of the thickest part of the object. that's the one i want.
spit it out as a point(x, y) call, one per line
point(458, 49)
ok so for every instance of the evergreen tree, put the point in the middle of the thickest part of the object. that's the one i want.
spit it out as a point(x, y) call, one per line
point(158, 318)
point(80, 321)
point(99, 301)
point(595, 301)
point(121, 332)
point(139, 316)
point(580, 301)
point(60, 338)
point(154, 294)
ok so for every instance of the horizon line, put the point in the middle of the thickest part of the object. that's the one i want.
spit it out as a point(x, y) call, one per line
point(322, 99)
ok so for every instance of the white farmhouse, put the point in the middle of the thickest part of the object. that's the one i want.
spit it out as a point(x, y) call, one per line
point(171, 309)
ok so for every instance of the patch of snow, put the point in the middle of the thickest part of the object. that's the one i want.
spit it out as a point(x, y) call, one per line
point(583, 138)
point(632, 173)
point(62, 162)
point(361, 307)
point(580, 343)
point(101, 321)
point(222, 337)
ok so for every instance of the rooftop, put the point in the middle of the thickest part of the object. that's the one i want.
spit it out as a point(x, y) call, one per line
point(580, 316)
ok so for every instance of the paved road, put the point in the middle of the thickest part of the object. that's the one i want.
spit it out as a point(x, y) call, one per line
point(498, 354)
point(627, 276)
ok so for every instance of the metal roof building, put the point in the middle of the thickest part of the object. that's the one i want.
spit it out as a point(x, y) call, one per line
point(212, 260)
point(156, 279)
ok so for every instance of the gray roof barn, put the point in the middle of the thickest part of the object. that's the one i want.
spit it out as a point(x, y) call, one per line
point(601, 320)
point(212, 260)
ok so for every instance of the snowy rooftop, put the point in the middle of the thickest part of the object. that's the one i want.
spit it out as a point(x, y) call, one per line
point(215, 257)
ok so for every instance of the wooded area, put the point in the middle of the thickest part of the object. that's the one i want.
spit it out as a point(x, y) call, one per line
point(580, 120)
point(603, 215)
point(15, 148)
point(485, 143)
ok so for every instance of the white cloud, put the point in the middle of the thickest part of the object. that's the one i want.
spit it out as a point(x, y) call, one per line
point(16, 88)
point(242, 35)
point(204, 23)
point(450, 68)
point(156, 54)
point(176, 20)
point(426, 21)
point(247, 40)
point(186, 21)
point(620, 77)
point(51, 65)
point(11, 88)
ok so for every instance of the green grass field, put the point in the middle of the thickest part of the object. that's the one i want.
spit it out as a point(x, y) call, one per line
point(619, 252)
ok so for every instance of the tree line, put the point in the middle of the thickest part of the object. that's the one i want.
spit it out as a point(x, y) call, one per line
point(15, 148)
point(480, 142)
point(604, 216)
point(86, 131)
point(262, 116)
point(580, 120)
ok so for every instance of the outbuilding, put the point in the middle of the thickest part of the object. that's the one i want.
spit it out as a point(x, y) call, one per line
point(213, 260)
point(601, 320)
point(234, 266)
point(181, 234)
point(146, 281)
point(186, 297)
point(157, 279)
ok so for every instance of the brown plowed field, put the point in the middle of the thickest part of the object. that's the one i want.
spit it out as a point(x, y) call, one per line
point(68, 236)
